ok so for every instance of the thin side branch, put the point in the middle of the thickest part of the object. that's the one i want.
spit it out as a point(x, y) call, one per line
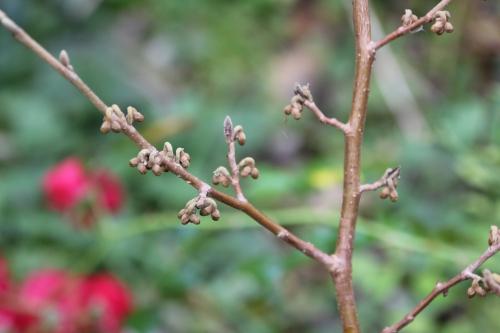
point(390, 174)
point(442, 288)
point(330, 262)
point(303, 97)
point(405, 29)
point(231, 158)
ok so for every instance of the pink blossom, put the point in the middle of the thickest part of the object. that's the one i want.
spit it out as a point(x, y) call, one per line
point(109, 298)
point(65, 184)
point(4, 276)
point(53, 291)
point(109, 190)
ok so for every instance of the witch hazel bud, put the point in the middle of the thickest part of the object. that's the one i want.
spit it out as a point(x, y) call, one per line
point(133, 115)
point(247, 168)
point(239, 135)
point(408, 18)
point(182, 157)
point(442, 23)
point(221, 176)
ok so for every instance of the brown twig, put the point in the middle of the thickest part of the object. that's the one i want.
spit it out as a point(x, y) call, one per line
point(330, 262)
point(442, 288)
point(405, 29)
point(303, 97)
point(352, 161)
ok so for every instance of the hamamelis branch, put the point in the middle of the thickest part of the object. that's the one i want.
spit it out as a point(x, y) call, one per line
point(442, 288)
point(405, 29)
point(303, 98)
point(63, 66)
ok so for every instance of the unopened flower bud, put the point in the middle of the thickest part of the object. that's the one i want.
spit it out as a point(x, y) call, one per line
point(157, 170)
point(115, 126)
point(394, 196)
point(408, 18)
point(239, 135)
point(438, 27)
point(246, 171)
point(470, 292)
point(133, 115)
point(133, 162)
point(142, 168)
point(384, 194)
point(64, 58)
point(215, 215)
point(494, 236)
point(105, 127)
point(448, 27)
point(194, 219)
point(182, 157)
point(255, 173)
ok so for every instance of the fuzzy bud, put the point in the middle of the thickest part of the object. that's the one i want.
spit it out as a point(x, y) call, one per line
point(494, 236)
point(215, 215)
point(228, 129)
point(384, 194)
point(157, 170)
point(105, 127)
point(408, 18)
point(133, 115)
point(182, 157)
point(442, 23)
point(221, 176)
point(142, 168)
point(133, 162)
point(239, 135)
point(64, 59)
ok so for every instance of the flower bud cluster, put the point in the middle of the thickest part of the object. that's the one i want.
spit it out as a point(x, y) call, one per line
point(114, 119)
point(296, 106)
point(442, 23)
point(221, 176)
point(205, 206)
point(476, 289)
point(247, 168)
point(408, 18)
point(492, 281)
point(391, 177)
point(151, 159)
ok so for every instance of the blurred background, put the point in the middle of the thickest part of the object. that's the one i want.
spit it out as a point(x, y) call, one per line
point(71, 209)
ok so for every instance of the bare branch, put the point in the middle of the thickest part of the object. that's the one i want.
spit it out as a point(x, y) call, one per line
point(413, 26)
point(330, 262)
point(303, 97)
point(442, 288)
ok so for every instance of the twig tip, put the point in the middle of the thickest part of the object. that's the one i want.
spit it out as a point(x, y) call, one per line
point(228, 129)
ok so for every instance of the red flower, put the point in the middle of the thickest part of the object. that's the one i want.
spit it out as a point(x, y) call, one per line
point(15, 320)
point(66, 184)
point(109, 190)
point(106, 296)
point(4, 276)
point(53, 291)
